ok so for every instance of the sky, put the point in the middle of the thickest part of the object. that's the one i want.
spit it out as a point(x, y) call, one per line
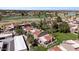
point(39, 4)
point(39, 8)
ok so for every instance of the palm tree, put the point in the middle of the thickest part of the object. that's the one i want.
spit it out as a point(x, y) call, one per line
point(0, 17)
point(78, 31)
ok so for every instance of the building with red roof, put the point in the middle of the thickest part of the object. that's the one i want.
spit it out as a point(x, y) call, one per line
point(27, 27)
point(35, 32)
point(69, 45)
point(45, 39)
point(56, 48)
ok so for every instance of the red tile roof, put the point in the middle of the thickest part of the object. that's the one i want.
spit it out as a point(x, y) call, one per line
point(68, 46)
point(28, 28)
point(48, 37)
point(77, 49)
point(37, 32)
point(55, 49)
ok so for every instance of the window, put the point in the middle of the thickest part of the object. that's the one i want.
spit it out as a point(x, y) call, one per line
point(2, 38)
point(40, 41)
point(46, 42)
point(4, 48)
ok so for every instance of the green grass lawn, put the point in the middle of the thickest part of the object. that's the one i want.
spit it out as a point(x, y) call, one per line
point(60, 37)
point(65, 36)
point(20, 17)
point(39, 48)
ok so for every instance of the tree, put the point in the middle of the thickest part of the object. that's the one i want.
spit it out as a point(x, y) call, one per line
point(30, 38)
point(40, 24)
point(78, 31)
point(59, 19)
point(43, 25)
point(22, 14)
point(34, 24)
point(35, 43)
point(0, 17)
point(55, 26)
point(64, 27)
point(19, 31)
point(56, 14)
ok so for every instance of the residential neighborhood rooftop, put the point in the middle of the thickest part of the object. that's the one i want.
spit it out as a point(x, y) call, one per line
point(69, 45)
point(19, 43)
point(22, 30)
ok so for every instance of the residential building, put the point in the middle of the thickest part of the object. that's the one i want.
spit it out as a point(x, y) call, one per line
point(27, 27)
point(5, 35)
point(8, 42)
point(45, 38)
point(69, 45)
point(9, 27)
point(20, 43)
point(5, 39)
point(35, 32)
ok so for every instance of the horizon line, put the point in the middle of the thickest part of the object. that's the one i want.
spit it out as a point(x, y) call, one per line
point(40, 8)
